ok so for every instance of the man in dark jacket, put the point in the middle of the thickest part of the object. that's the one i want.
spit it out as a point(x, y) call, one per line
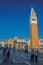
point(32, 55)
point(8, 54)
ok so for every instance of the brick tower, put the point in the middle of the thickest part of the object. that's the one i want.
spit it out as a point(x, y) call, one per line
point(34, 42)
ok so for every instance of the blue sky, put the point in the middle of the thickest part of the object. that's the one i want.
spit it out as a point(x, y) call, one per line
point(15, 18)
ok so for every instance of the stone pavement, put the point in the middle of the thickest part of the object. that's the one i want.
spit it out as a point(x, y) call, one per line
point(21, 58)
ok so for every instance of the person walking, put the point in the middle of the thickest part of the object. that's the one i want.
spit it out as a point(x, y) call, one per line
point(4, 52)
point(8, 54)
point(32, 55)
point(36, 56)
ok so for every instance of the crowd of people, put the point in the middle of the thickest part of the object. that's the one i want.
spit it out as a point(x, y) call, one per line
point(34, 54)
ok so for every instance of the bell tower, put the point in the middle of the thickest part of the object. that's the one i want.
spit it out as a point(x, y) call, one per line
point(34, 42)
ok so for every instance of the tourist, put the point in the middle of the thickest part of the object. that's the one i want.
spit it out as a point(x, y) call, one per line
point(4, 52)
point(32, 55)
point(36, 56)
point(8, 54)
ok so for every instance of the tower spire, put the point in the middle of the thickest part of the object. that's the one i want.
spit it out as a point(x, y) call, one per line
point(33, 17)
point(33, 14)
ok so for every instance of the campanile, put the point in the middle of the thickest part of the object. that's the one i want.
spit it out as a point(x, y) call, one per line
point(34, 42)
